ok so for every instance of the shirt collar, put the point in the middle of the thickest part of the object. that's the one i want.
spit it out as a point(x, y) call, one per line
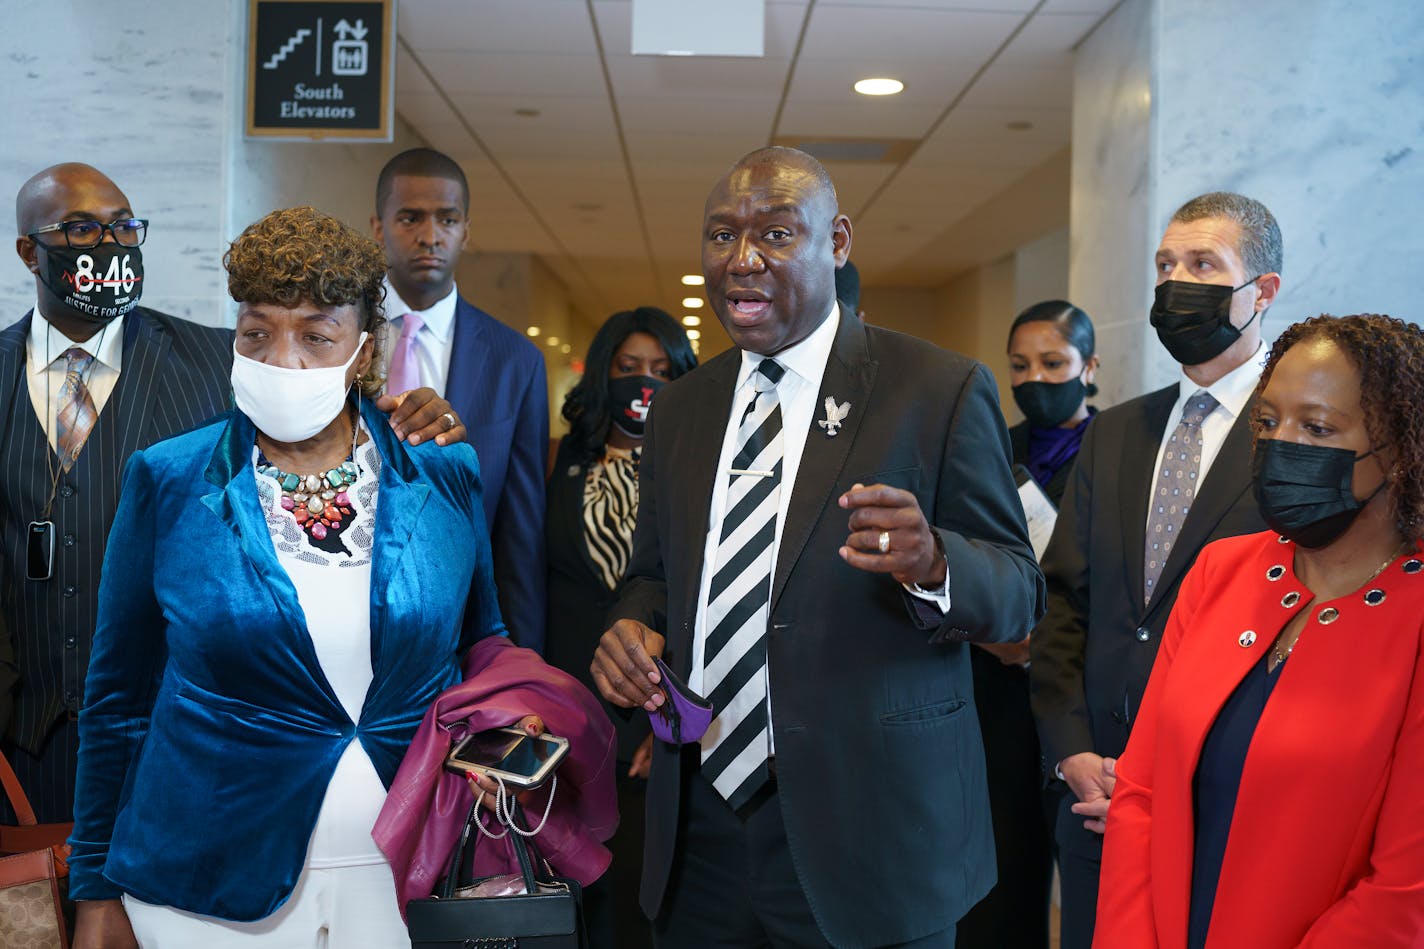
point(439, 319)
point(46, 344)
point(807, 359)
point(1233, 390)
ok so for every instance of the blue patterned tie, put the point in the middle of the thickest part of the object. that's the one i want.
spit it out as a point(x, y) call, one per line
point(1174, 488)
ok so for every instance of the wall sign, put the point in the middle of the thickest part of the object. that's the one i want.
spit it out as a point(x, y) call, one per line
point(320, 69)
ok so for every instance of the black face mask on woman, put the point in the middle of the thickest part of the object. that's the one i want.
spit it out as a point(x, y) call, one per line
point(1049, 404)
point(1193, 320)
point(628, 401)
point(1305, 492)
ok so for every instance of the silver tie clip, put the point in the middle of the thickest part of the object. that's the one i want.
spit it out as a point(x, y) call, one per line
point(756, 472)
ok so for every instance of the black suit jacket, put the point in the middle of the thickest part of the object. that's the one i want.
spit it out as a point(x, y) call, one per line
point(1053, 490)
point(579, 600)
point(175, 375)
point(1094, 650)
point(880, 768)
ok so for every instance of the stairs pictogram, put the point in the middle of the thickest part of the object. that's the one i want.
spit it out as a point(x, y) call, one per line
point(287, 48)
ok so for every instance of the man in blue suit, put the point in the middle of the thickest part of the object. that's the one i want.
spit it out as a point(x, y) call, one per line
point(492, 375)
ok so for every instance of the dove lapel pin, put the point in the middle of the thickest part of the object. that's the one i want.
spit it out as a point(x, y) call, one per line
point(835, 416)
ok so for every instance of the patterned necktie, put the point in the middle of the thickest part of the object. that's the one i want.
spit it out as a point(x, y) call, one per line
point(76, 413)
point(1174, 488)
point(404, 372)
point(736, 745)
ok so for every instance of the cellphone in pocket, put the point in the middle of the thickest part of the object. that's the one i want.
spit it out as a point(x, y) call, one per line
point(509, 755)
point(40, 552)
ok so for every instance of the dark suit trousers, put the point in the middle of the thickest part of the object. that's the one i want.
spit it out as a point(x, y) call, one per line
point(1080, 859)
point(1015, 913)
point(47, 779)
point(734, 885)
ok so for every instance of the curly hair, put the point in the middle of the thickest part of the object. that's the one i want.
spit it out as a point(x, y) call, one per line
point(586, 407)
point(1389, 356)
point(302, 255)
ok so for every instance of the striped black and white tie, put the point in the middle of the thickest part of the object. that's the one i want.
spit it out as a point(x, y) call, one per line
point(736, 745)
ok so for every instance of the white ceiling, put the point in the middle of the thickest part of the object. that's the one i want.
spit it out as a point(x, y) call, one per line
point(607, 182)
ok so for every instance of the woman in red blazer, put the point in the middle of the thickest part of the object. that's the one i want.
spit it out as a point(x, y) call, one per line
point(1272, 793)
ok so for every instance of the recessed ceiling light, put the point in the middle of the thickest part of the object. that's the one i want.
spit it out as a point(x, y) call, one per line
point(692, 303)
point(692, 280)
point(527, 113)
point(692, 319)
point(880, 86)
point(533, 331)
point(1018, 125)
point(552, 340)
point(694, 334)
point(566, 348)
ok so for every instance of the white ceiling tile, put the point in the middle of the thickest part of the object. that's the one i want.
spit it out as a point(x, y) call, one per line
point(870, 32)
point(824, 120)
point(515, 74)
point(1015, 86)
point(1048, 39)
point(409, 77)
point(676, 114)
point(508, 143)
point(424, 108)
point(928, 82)
point(783, 26)
point(565, 113)
point(697, 77)
point(1100, 7)
point(719, 148)
point(500, 26)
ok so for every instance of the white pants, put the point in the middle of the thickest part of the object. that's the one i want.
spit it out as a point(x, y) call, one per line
point(338, 908)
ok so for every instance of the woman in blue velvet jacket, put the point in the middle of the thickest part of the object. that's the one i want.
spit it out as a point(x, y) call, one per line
point(286, 591)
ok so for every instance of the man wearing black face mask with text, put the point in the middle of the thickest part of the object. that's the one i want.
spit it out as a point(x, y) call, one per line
point(1156, 479)
point(87, 378)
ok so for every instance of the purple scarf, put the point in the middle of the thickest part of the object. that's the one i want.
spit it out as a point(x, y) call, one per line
point(1049, 449)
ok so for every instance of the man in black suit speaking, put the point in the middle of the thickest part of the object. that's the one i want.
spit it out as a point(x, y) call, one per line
point(827, 517)
point(1157, 479)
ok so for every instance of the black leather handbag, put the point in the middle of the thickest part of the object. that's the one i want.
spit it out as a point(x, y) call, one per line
point(548, 916)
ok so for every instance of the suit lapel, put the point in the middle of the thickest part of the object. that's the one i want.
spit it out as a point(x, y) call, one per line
point(467, 359)
point(398, 512)
point(146, 348)
point(1138, 468)
point(12, 366)
point(232, 496)
point(849, 377)
point(697, 449)
point(1228, 479)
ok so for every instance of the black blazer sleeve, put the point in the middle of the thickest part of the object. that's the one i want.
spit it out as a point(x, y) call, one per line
point(995, 587)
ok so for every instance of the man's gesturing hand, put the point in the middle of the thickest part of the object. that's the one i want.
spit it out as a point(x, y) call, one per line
point(623, 666)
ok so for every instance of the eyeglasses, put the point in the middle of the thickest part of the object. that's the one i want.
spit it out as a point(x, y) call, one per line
point(81, 235)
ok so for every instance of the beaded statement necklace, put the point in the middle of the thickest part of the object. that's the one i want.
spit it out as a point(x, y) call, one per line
point(318, 502)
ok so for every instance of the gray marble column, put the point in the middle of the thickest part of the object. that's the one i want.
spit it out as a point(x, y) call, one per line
point(1313, 108)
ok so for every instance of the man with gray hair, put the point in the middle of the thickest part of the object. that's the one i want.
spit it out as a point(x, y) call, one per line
point(1157, 479)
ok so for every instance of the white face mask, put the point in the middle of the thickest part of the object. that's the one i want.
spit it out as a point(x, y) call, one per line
point(290, 405)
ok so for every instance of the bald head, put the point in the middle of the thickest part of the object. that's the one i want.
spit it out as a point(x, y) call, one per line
point(68, 191)
point(772, 239)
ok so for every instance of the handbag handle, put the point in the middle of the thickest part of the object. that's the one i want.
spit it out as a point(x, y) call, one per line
point(16, 794)
point(521, 853)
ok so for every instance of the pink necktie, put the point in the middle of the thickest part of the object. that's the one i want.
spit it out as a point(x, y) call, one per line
point(404, 373)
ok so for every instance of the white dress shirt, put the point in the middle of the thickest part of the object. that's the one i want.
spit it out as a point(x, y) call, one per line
point(45, 367)
point(1232, 391)
point(805, 365)
point(435, 340)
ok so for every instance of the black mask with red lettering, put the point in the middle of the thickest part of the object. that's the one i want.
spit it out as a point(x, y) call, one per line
point(628, 401)
point(99, 283)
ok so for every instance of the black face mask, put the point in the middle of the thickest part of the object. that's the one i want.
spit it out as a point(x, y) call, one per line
point(98, 283)
point(628, 400)
point(1049, 404)
point(1305, 492)
point(1193, 320)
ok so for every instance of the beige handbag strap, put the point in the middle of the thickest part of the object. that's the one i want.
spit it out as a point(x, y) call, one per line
point(15, 793)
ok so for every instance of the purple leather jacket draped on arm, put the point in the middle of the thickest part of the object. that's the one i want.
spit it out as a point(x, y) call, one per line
point(427, 805)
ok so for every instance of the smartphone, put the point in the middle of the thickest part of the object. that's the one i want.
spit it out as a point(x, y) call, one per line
point(510, 755)
point(40, 560)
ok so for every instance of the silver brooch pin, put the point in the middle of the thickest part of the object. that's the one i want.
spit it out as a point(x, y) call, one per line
point(835, 416)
